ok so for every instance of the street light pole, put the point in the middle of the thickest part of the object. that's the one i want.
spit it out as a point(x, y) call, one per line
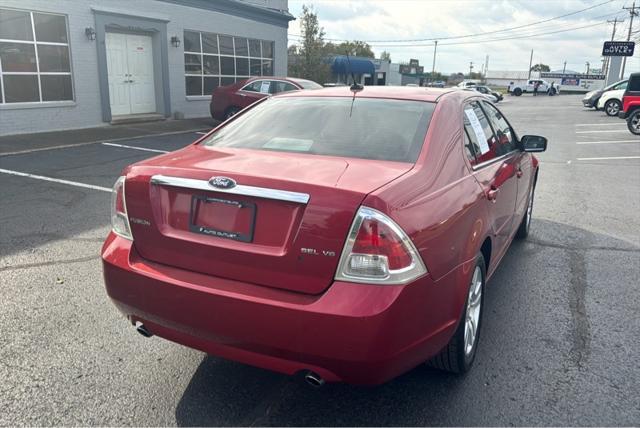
point(433, 68)
point(530, 64)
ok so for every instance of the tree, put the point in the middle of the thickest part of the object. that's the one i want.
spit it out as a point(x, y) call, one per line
point(310, 54)
point(355, 48)
point(385, 56)
point(541, 67)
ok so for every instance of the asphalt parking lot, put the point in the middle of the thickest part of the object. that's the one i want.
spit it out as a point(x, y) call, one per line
point(560, 343)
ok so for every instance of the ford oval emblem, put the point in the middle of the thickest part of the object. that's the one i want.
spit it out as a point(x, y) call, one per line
point(222, 182)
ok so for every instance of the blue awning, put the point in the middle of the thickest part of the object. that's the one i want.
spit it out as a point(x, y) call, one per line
point(340, 65)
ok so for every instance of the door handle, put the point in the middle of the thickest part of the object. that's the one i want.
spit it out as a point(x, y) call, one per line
point(519, 173)
point(492, 193)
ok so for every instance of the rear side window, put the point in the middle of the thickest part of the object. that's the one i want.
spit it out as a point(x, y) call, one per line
point(506, 140)
point(367, 128)
point(278, 86)
point(480, 133)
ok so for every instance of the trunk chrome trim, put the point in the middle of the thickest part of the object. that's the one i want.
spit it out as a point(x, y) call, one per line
point(258, 192)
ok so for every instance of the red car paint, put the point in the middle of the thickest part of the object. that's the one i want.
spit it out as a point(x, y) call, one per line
point(228, 100)
point(268, 305)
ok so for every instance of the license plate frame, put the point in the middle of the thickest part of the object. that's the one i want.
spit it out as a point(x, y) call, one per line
point(226, 234)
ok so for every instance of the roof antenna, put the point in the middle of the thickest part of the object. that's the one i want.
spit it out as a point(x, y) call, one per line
point(355, 87)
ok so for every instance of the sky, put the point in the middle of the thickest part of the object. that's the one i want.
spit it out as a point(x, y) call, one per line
point(376, 21)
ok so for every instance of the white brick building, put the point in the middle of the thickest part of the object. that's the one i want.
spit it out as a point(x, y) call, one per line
point(78, 63)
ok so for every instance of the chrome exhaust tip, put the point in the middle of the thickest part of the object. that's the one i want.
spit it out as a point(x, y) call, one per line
point(140, 328)
point(313, 379)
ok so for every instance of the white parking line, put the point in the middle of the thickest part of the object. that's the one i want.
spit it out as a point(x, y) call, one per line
point(602, 124)
point(601, 131)
point(609, 142)
point(202, 133)
point(55, 180)
point(134, 148)
point(610, 158)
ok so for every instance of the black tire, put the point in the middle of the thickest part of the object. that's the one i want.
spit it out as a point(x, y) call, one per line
point(552, 91)
point(633, 122)
point(453, 357)
point(517, 92)
point(525, 224)
point(230, 112)
point(612, 107)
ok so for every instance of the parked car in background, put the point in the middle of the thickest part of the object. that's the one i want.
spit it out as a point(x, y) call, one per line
point(344, 235)
point(611, 102)
point(497, 96)
point(591, 99)
point(467, 84)
point(229, 100)
point(544, 87)
point(631, 104)
point(437, 84)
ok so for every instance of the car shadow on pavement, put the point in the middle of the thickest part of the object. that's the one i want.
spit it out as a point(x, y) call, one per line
point(541, 282)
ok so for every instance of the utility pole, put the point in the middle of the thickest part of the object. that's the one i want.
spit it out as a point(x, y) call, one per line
point(433, 68)
point(486, 67)
point(588, 66)
point(530, 64)
point(632, 13)
point(470, 68)
point(564, 68)
point(615, 22)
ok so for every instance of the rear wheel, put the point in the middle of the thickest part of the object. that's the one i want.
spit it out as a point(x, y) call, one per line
point(517, 92)
point(231, 111)
point(612, 107)
point(458, 355)
point(633, 122)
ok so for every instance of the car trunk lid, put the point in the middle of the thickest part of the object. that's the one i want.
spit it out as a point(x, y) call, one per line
point(282, 225)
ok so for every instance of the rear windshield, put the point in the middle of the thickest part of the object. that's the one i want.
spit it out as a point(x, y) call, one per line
point(367, 128)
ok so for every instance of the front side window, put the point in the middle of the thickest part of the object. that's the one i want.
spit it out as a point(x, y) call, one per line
point(212, 60)
point(506, 140)
point(368, 128)
point(35, 65)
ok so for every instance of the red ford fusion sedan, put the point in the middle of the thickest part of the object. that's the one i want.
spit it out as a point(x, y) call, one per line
point(346, 235)
point(229, 100)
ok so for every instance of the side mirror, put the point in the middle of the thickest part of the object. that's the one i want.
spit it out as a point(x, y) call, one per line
point(533, 143)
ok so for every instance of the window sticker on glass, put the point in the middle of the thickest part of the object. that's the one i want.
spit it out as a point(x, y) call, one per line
point(288, 144)
point(477, 129)
point(264, 88)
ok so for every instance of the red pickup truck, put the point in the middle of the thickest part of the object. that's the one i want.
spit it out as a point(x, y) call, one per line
point(631, 104)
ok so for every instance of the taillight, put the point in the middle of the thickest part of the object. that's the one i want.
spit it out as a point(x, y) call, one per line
point(378, 251)
point(119, 218)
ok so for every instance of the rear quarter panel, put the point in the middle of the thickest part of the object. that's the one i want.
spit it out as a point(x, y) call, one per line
point(439, 203)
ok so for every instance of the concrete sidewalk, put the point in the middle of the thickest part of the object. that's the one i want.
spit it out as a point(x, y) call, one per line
point(11, 144)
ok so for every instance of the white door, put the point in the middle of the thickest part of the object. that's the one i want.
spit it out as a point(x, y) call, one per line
point(130, 73)
point(140, 60)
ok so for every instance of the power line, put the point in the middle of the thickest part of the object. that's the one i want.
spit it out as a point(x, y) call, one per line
point(504, 37)
point(476, 34)
point(524, 36)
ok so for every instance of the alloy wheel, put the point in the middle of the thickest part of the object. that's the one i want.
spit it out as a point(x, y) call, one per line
point(613, 108)
point(529, 209)
point(635, 123)
point(474, 301)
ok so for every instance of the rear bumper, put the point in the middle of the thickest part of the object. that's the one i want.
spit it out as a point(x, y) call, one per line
point(355, 333)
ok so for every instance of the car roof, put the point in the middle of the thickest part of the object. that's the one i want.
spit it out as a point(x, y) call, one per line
point(391, 92)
